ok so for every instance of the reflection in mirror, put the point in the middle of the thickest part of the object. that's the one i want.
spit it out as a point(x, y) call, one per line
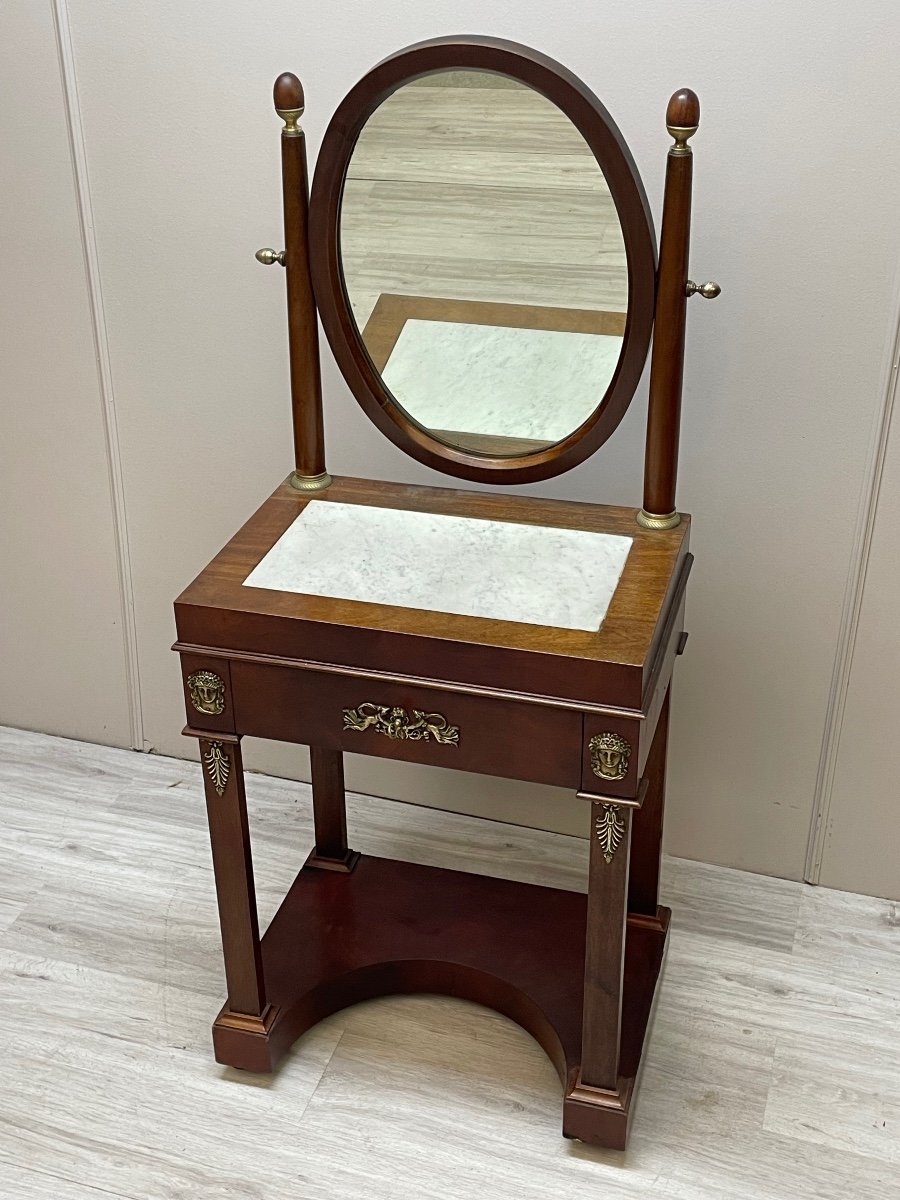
point(484, 262)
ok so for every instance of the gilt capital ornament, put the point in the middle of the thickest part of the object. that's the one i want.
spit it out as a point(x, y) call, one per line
point(207, 691)
point(609, 755)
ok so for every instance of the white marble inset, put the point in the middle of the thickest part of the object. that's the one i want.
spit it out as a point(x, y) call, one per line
point(535, 574)
point(501, 381)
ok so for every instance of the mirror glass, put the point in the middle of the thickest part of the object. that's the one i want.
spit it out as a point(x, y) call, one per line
point(484, 262)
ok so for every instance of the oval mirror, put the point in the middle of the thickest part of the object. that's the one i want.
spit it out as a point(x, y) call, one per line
point(489, 264)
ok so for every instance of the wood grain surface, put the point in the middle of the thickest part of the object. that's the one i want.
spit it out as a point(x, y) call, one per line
point(609, 667)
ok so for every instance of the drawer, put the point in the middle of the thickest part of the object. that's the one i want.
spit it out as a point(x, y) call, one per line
point(510, 738)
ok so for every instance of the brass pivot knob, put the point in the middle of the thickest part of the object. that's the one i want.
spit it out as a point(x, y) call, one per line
point(708, 291)
point(267, 256)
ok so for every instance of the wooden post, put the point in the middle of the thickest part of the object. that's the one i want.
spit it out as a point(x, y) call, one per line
point(303, 333)
point(604, 963)
point(331, 852)
point(667, 361)
point(226, 806)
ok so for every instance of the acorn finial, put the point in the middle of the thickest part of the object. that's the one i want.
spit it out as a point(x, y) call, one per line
point(683, 119)
point(288, 96)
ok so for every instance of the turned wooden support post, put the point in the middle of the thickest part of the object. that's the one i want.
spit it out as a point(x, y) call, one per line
point(672, 291)
point(306, 379)
point(331, 852)
point(226, 806)
point(605, 949)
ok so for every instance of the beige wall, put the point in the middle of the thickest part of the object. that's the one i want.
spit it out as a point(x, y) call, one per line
point(797, 175)
point(861, 832)
point(62, 659)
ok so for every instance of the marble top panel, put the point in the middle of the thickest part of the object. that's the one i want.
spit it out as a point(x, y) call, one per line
point(535, 574)
point(498, 380)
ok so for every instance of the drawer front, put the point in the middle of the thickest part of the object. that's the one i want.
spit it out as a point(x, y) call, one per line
point(424, 725)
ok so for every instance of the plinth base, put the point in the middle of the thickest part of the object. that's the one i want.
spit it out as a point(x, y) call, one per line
point(390, 927)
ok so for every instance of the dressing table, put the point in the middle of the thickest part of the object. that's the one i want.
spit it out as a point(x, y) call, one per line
point(480, 251)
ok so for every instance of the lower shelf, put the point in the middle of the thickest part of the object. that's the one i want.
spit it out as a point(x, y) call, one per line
point(391, 927)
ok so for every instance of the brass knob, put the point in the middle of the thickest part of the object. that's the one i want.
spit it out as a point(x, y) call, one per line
point(267, 256)
point(708, 291)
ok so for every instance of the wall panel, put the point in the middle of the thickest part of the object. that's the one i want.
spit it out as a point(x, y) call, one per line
point(62, 662)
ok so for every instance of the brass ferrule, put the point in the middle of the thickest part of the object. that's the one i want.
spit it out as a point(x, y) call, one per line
point(291, 118)
point(681, 133)
point(656, 521)
point(311, 483)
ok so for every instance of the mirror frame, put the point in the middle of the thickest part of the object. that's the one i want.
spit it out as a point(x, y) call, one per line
point(608, 146)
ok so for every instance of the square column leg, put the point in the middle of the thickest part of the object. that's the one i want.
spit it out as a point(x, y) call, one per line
point(598, 1099)
point(226, 807)
point(605, 948)
point(626, 938)
point(331, 851)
